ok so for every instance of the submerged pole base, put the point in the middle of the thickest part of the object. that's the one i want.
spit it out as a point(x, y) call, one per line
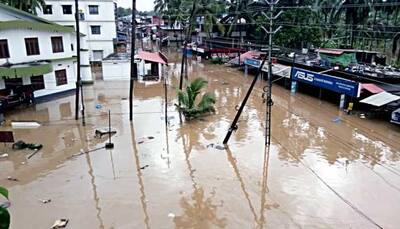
point(109, 145)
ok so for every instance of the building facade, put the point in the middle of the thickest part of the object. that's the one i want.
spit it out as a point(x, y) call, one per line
point(97, 22)
point(36, 55)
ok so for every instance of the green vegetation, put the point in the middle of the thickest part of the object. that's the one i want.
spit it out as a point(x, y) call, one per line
point(187, 100)
point(4, 215)
point(359, 24)
point(29, 6)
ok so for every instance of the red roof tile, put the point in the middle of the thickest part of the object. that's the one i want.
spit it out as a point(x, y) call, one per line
point(156, 57)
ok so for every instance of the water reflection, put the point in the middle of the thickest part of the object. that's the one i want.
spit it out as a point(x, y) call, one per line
point(140, 178)
point(260, 220)
point(198, 211)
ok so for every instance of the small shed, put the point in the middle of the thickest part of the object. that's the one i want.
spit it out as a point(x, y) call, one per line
point(152, 63)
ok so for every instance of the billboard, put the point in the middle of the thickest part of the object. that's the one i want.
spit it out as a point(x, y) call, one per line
point(332, 83)
point(252, 62)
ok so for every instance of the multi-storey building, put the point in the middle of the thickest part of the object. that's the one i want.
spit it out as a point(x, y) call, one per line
point(36, 55)
point(97, 22)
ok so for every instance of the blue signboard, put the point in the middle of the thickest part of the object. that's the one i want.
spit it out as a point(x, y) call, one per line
point(339, 85)
point(396, 116)
point(252, 62)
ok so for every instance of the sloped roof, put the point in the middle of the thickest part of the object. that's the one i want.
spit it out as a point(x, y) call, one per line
point(380, 99)
point(24, 20)
point(372, 88)
point(156, 57)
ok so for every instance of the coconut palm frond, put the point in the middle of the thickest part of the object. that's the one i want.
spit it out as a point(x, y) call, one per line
point(183, 98)
point(207, 103)
point(187, 100)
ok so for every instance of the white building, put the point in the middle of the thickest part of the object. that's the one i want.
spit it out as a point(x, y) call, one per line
point(97, 22)
point(36, 54)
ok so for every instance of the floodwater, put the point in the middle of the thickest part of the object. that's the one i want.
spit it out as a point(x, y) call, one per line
point(316, 174)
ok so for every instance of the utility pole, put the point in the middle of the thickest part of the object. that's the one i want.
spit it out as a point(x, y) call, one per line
point(268, 89)
point(133, 65)
point(78, 68)
point(269, 103)
point(185, 43)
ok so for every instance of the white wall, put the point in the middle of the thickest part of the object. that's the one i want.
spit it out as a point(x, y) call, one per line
point(116, 70)
point(50, 79)
point(105, 19)
point(16, 45)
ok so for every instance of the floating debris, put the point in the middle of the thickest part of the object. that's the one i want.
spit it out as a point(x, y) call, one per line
point(61, 223)
point(362, 116)
point(12, 178)
point(23, 145)
point(25, 125)
point(171, 215)
point(99, 133)
point(145, 139)
point(337, 120)
point(218, 147)
point(143, 167)
point(45, 201)
point(99, 106)
point(4, 156)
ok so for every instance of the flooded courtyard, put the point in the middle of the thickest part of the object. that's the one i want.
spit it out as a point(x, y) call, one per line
point(318, 173)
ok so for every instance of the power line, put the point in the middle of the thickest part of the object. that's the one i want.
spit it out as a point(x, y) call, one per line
point(262, 9)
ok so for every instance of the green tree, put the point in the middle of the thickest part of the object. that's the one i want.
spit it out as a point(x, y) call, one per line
point(4, 215)
point(29, 6)
point(187, 100)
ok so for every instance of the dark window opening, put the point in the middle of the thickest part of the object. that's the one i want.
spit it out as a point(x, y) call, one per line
point(37, 82)
point(72, 47)
point(57, 44)
point(48, 9)
point(4, 53)
point(93, 9)
point(32, 46)
point(13, 84)
point(95, 29)
point(67, 9)
point(61, 77)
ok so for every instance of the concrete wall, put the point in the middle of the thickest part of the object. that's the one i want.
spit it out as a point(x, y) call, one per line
point(50, 79)
point(116, 70)
point(16, 45)
point(105, 19)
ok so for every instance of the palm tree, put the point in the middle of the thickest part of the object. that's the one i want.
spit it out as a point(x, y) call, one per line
point(4, 214)
point(29, 6)
point(187, 100)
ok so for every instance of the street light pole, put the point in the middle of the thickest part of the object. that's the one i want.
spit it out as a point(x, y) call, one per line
point(78, 68)
point(133, 65)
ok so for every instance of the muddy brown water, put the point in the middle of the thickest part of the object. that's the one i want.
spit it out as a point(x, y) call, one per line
point(317, 173)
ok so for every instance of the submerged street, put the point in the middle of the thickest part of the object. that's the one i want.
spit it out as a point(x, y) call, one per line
point(318, 172)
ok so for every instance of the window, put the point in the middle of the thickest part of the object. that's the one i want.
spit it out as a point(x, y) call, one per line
point(67, 9)
point(95, 29)
point(48, 9)
point(4, 53)
point(57, 44)
point(93, 9)
point(32, 46)
point(61, 77)
point(72, 47)
point(37, 82)
point(97, 55)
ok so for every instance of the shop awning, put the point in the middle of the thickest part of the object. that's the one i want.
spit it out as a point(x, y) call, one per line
point(156, 57)
point(372, 88)
point(28, 69)
point(380, 99)
point(246, 55)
